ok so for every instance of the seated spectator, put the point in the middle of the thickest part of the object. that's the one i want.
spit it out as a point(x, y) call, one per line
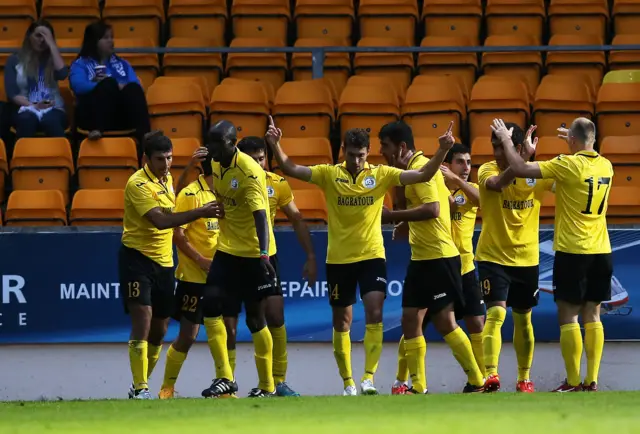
point(109, 93)
point(31, 83)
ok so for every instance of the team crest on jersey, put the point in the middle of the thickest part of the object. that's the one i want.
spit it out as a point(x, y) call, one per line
point(531, 182)
point(369, 182)
point(270, 191)
point(234, 184)
point(460, 200)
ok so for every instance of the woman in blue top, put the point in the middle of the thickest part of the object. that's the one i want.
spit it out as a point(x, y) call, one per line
point(31, 83)
point(109, 95)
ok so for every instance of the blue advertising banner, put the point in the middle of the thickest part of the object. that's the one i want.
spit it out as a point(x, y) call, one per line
point(62, 287)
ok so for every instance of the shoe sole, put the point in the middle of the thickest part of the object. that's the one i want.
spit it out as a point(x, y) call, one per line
point(369, 392)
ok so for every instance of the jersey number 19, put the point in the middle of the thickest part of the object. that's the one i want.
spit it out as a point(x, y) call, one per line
point(601, 181)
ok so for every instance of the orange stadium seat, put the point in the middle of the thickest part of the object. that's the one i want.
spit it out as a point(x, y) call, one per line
point(429, 108)
point(138, 19)
point(463, 65)
point(245, 105)
point(36, 208)
point(482, 150)
point(624, 153)
point(106, 163)
point(576, 63)
point(4, 169)
point(337, 66)
point(97, 208)
point(319, 19)
point(266, 66)
point(453, 18)
point(397, 66)
point(625, 59)
point(624, 205)
point(312, 205)
point(197, 80)
point(70, 17)
point(626, 17)
point(550, 147)
point(207, 65)
point(375, 82)
point(146, 65)
point(493, 97)
point(548, 208)
point(428, 145)
point(388, 19)
point(42, 164)
point(527, 65)
point(304, 109)
point(558, 103)
point(618, 109)
point(183, 150)
point(579, 17)
point(308, 151)
point(69, 43)
point(516, 17)
point(260, 19)
point(198, 19)
point(455, 81)
point(267, 88)
point(16, 17)
point(178, 110)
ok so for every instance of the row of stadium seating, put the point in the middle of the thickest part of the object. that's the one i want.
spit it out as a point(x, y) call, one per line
point(279, 19)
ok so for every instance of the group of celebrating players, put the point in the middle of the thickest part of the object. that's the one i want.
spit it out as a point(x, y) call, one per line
point(222, 226)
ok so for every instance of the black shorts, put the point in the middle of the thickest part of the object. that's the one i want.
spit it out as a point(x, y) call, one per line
point(188, 302)
point(472, 295)
point(433, 284)
point(517, 286)
point(582, 278)
point(343, 279)
point(145, 282)
point(274, 290)
point(236, 280)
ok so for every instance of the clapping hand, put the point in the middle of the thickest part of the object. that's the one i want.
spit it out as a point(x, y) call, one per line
point(529, 145)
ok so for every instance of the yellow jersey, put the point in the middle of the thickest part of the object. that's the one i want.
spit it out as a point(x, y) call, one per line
point(463, 224)
point(202, 234)
point(280, 194)
point(143, 193)
point(510, 219)
point(429, 239)
point(354, 207)
point(583, 182)
point(242, 188)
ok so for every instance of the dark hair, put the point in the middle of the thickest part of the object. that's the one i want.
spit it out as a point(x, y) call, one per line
point(517, 137)
point(252, 144)
point(156, 141)
point(222, 131)
point(92, 34)
point(356, 138)
point(398, 132)
point(457, 148)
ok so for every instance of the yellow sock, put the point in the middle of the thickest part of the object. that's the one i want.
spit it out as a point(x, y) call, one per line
point(593, 345)
point(139, 364)
point(523, 343)
point(263, 344)
point(571, 347)
point(478, 350)
point(492, 338)
point(279, 335)
point(403, 370)
point(172, 367)
point(461, 347)
point(153, 355)
point(416, 352)
point(217, 340)
point(232, 360)
point(342, 354)
point(372, 349)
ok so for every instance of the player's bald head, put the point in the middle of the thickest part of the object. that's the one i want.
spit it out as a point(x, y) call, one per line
point(223, 131)
point(584, 132)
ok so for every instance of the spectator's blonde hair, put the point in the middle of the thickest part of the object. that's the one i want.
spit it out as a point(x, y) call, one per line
point(584, 131)
point(30, 59)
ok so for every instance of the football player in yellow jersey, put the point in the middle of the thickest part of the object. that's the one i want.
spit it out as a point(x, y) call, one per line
point(354, 192)
point(196, 244)
point(507, 255)
point(280, 197)
point(433, 283)
point(241, 271)
point(582, 267)
point(145, 260)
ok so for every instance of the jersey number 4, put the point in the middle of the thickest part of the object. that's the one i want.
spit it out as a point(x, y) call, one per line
point(598, 191)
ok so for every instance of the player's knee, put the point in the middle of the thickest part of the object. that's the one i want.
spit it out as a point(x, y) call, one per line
point(475, 324)
point(373, 314)
point(445, 320)
point(567, 312)
point(255, 324)
point(185, 339)
point(411, 324)
point(275, 319)
point(591, 312)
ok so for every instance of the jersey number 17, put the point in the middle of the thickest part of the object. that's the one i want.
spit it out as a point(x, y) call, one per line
point(601, 181)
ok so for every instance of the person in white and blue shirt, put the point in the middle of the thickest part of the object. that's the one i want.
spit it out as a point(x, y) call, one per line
point(109, 94)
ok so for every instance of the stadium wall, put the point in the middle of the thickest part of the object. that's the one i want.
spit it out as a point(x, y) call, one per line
point(62, 287)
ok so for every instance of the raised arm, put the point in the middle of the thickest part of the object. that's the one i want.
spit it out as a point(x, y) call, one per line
point(198, 157)
point(520, 167)
point(288, 167)
point(427, 171)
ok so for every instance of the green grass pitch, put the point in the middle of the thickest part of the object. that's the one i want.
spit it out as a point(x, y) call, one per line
point(498, 413)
